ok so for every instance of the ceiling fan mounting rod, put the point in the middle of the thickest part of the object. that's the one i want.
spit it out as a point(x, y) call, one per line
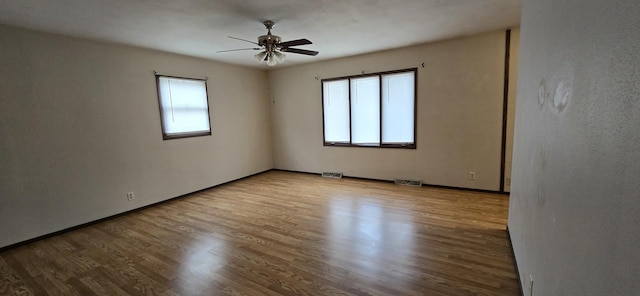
point(269, 40)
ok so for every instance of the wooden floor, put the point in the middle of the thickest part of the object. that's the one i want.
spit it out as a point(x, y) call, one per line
point(281, 233)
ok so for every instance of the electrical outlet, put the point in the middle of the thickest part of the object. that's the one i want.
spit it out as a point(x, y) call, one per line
point(130, 196)
point(472, 175)
point(508, 182)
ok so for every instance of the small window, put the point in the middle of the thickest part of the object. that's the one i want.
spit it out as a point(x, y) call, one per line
point(184, 108)
point(373, 110)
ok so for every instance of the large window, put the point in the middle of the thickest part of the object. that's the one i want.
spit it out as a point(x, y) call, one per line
point(184, 108)
point(373, 110)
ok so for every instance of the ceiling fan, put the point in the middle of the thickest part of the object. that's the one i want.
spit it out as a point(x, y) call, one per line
point(272, 47)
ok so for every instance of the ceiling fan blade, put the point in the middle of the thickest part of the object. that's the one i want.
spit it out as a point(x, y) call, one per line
point(253, 48)
point(245, 40)
point(294, 43)
point(300, 51)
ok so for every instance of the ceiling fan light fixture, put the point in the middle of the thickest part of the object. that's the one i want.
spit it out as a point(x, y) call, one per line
point(271, 60)
point(279, 57)
point(260, 56)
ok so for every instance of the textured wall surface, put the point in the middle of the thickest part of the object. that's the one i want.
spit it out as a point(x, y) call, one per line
point(575, 195)
point(80, 127)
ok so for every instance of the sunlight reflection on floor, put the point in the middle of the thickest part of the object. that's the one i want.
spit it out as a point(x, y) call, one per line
point(201, 261)
point(363, 235)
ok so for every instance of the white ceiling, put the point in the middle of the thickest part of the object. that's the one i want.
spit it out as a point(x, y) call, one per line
point(200, 27)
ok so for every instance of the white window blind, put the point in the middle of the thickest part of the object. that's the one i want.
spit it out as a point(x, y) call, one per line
point(336, 111)
point(183, 106)
point(374, 110)
point(365, 111)
point(398, 93)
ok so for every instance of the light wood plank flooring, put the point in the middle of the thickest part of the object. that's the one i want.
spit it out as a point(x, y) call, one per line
point(281, 233)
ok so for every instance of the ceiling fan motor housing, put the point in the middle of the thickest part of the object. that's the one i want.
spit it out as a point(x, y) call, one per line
point(268, 39)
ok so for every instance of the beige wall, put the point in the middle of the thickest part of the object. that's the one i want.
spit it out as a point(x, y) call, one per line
point(79, 127)
point(459, 123)
point(574, 214)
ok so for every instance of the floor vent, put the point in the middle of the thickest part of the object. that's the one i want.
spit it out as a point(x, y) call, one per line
point(334, 175)
point(407, 182)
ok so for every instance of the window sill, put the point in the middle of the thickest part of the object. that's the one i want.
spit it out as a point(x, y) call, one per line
point(397, 146)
